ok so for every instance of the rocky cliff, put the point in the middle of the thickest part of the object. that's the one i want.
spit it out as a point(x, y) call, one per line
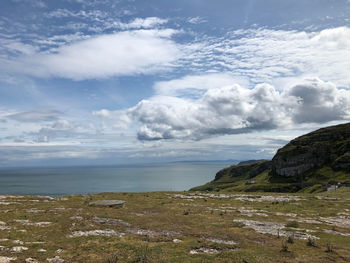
point(328, 146)
point(317, 158)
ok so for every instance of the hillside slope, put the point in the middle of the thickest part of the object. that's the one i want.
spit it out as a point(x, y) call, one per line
point(307, 163)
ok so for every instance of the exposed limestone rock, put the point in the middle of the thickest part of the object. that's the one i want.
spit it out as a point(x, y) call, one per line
point(204, 250)
point(31, 260)
point(306, 220)
point(268, 198)
point(340, 221)
point(109, 221)
point(241, 197)
point(8, 203)
point(34, 211)
point(147, 232)
point(78, 218)
point(18, 249)
point(3, 226)
point(6, 259)
point(29, 223)
point(286, 214)
point(221, 241)
point(136, 214)
point(106, 232)
point(336, 233)
point(57, 259)
point(108, 203)
point(272, 228)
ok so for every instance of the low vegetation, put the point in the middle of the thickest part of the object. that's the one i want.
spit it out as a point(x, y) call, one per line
point(177, 227)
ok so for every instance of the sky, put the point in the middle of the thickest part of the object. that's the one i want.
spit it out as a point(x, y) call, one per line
point(133, 81)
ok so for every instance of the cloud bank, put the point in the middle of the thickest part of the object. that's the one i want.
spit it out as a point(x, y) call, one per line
point(120, 54)
point(233, 109)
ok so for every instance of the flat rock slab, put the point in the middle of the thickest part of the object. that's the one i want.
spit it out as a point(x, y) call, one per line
point(108, 203)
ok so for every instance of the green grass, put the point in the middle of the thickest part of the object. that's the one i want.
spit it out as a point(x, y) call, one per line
point(206, 219)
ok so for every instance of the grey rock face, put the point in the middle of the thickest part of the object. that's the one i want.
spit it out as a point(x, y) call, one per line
point(108, 203)
point(328, 146)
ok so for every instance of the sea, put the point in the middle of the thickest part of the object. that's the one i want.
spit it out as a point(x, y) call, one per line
point(56, 181)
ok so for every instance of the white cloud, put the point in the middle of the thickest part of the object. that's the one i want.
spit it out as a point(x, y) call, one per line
point(35, 116)
point(123, 53)
point(196, 20)
point(63, 13)
point(233, 109)
point(196, 85)
point(264, 55)
point(120, 119)
point(258, 55)
point(137, 23)
point(319, 102)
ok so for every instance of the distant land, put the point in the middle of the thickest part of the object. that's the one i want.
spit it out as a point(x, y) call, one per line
point(309, 163)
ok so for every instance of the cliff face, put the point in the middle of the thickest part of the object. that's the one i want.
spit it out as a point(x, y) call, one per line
point(317, 158)
point(328, 146)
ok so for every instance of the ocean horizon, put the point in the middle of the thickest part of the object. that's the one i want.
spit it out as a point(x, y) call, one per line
point(67, 180)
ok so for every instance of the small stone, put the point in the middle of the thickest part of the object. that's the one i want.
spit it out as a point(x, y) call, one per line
point(59, 251)
point(18, 242)
point(41, 250)
point(177, 240)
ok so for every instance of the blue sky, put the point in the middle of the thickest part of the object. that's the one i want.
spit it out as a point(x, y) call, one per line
point(110, 82)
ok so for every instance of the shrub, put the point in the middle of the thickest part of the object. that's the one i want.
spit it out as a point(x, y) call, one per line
point(329, 248)
point(311, 242)
point(284, 247)
point(290, 240)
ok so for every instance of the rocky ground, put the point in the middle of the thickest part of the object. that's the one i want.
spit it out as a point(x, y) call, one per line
point(176, 227)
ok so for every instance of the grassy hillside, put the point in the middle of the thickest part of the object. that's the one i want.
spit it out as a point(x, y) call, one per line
point(308, 163)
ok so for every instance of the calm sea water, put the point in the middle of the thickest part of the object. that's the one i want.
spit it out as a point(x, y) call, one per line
point(136, 178)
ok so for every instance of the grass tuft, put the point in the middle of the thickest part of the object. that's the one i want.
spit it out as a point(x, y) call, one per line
point(112, 259)
point(284, 247)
